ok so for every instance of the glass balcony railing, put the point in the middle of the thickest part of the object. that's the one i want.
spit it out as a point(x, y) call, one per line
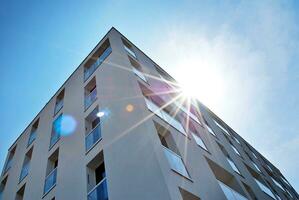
point(94, 66)
point(264, 188)
point(222, 128)
point(24, 171)
point(90, 98)
point(231, 194)
point(165, 116)
point(54, 138)
point(187, 111)
point(92, 137)
point(139, 74)
point(99, 192)
point(176, 162)
point(8, 165)
point(50, 181)
point(130, 52)
point(32, 137)
point(58, 106)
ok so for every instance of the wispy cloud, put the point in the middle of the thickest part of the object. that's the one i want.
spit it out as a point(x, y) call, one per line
point(248, 61)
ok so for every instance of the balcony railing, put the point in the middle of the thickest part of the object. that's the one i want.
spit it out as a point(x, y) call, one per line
point(50, 181)
point(8, 165)
point(93, 136)
point(176, 162)
point(94, 66)
point(165, 116)
point(90, 98)
point(54, 138)
point(187, 111)
point(58, 106)
point(230, 193)
point(265, 189)
point(130, 51)
point(139, 74)
point(99, 192)
point(32, 137)
point(24, 171)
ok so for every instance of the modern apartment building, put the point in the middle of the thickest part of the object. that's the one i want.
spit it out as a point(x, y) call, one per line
point(119, 129)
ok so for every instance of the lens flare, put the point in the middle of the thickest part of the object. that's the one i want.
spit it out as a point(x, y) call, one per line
point(100, 114)
point(104, 114)
point(129, 108)
point(65, 125)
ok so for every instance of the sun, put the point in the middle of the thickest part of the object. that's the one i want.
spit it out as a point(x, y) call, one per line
point(205, 85)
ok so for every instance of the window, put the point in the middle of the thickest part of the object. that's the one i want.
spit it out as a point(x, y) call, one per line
point(254, 155)
point(288, 192)
point(165, 116)
point(59, 102)
point(285, 181)
point(96, 179)
point(56, 130)
point(188, 195)
point(250, 191)
point(2, 187)
point(210, 130)
point(230, 194)
point(190, 112)
point(269, 168)
point(170, 150)
point(233, 165)
point(26, 165)
point(90, 93)
point(228, 183)
point(51, 173)
point(221, 127)
point(137, 69)
point(8, 163)
point(237, 140)
point(156, 105)
point(129, 49)
point(20, 193)
point(199, 141)
point(235, 149)
point(228, 158)
point(255, 165)
point(264, 188)
point(32, 134)
point(278, 184)
point(97, 59)
point(92, 129)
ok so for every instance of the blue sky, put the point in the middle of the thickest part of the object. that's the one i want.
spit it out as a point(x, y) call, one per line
point(242, 56)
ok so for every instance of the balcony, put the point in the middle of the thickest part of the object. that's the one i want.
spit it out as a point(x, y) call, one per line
point(139, 74)
point(31, 137)
point(24, 171)
point(54, 138)
point(264, 188)
point(58, 106)
point(165, 116)
point(230, 193)
point(8, 165)
point(95, 65)
point(176, 162)
point(99, 192)
point(90, 98)
point(93, 137)
point(50, 181)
